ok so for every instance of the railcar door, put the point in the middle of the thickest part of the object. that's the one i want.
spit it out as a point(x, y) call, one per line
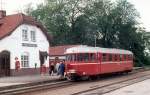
point(121, 59)
point(99, 57)
point(88, 63)
point(94, 63)
point(108, 64)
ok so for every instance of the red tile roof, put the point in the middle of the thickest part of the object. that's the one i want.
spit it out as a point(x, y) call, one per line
point(9, 23)
point(59, 50)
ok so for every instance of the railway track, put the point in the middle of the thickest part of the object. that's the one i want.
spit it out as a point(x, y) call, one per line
point(99, 90)
point(54, 85)
point(16, 91)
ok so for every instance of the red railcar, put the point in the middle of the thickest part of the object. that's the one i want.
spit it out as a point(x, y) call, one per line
point(91, 61)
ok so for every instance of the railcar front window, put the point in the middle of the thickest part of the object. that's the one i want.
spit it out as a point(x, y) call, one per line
point(67, 57)
point(70, 57)
point(73, 57)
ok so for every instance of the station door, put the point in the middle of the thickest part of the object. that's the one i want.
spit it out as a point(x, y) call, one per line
point(4, 63)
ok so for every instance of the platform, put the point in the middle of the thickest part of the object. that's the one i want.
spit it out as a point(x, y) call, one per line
point(6, 82)
point(140, 88)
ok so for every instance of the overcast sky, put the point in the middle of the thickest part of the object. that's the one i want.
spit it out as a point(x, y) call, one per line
point(15, 6)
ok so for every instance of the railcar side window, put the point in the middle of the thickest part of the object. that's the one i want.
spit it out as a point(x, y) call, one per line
point(121, 57)
point(130, 57)
point(75, 57)
point(125, 58)
point(86, 57)
point(116, 57)
point(113, 57)
point(110, 57)
point(104, 58)
point(92, 57)
point(79, 57)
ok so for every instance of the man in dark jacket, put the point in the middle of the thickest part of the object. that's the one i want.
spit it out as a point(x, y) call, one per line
point(61, 69)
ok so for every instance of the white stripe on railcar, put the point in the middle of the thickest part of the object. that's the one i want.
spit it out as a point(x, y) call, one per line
point(88, 49)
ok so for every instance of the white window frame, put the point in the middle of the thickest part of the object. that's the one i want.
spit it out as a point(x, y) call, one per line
point(33, 35)
point(25, 34)
point(25, 60)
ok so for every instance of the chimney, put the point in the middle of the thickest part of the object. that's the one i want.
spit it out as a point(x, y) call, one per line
point(2, 13)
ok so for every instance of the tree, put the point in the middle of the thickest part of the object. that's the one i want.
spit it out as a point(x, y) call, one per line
point(110, 24)
point(59, 16)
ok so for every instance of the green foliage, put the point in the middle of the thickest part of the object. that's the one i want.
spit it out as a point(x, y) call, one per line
point(110, 24)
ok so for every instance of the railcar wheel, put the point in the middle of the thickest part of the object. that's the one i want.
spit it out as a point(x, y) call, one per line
point(127, 72)
point(119, 73)
point(72, 77)
point(94, 77)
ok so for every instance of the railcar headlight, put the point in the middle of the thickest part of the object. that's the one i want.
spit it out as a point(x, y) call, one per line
point(84, 73)
point(72, 71)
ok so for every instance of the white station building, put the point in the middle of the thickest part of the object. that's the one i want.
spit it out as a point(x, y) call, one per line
point(24, 38)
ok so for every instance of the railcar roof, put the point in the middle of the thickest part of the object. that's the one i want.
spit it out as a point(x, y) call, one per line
point(88, 49)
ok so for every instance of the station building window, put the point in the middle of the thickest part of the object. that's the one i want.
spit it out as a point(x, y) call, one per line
point(25, 60)
point(25, 34)
point(33, 36)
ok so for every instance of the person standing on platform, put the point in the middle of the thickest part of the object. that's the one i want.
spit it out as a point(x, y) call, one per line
point(51, 69)
point(17, 64)
point(61, 69)
point(57, 67)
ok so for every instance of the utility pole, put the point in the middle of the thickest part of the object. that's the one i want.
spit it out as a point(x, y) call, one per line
point(95, 40)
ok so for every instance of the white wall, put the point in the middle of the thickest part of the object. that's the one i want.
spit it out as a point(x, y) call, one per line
point(13, 43)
